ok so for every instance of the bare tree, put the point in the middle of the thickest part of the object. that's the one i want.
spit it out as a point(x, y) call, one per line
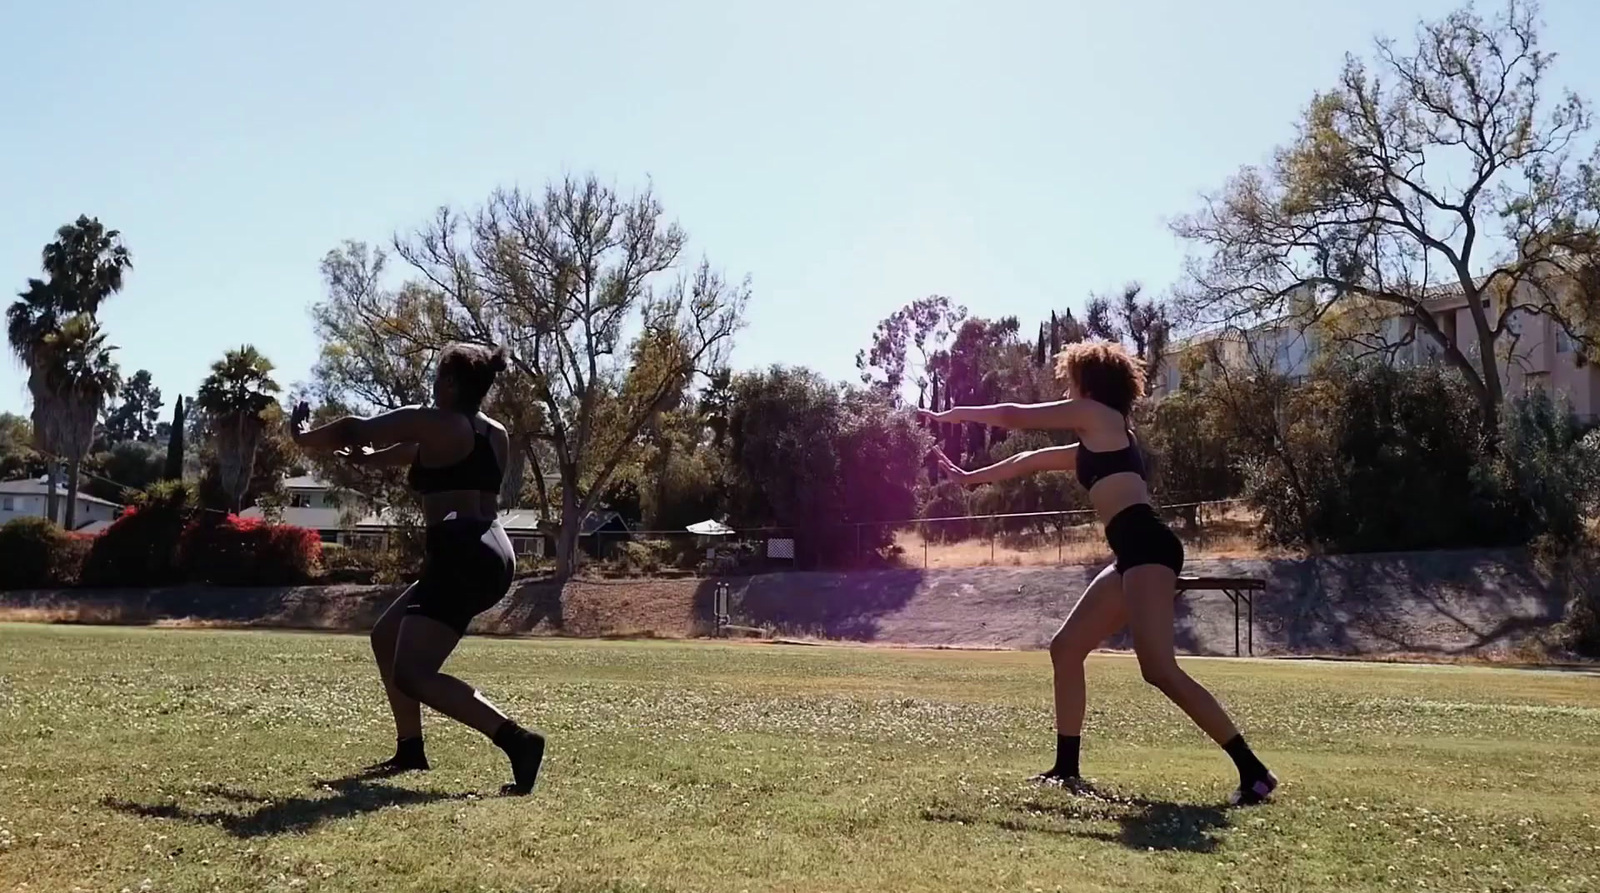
point(1445, 170)
point(560, 280)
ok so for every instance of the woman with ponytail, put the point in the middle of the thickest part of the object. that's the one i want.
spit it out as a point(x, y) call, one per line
point(457, 456)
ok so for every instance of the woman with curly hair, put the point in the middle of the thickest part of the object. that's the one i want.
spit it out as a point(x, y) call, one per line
point(1103, 382)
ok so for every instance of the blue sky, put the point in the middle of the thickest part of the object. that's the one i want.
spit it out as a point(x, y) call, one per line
point(848, 156)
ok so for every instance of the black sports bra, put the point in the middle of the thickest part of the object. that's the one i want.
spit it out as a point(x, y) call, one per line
point(1093, 466)
point(478, 471)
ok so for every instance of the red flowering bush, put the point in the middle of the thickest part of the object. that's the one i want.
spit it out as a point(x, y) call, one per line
point(140, 547)
point(238, 551)
point(35, 554)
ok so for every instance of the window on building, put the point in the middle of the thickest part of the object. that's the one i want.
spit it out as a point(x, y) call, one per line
point(8, 504)
point(1563, 340)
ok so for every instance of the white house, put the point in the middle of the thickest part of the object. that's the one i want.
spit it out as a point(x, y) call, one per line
point(29, 499)
point(314, 505)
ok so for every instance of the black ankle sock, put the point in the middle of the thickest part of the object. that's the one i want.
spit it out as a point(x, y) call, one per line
point(1066, 756)
point(1250, 768)
point(509, 735)
point(409, 748)
point(526, 750)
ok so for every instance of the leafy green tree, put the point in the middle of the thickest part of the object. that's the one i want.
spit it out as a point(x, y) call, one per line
point(18, 459)
point(1448, 166)
point(137, 410)
point(127, 467)
point(837, 467)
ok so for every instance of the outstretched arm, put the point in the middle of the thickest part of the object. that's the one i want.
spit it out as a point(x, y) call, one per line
point(1053, 416)
point(1057, 458)
point(400, 426)
point(390, 456)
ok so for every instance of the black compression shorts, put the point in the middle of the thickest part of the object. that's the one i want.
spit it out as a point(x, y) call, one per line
point(468, 569)
point(1137, 536)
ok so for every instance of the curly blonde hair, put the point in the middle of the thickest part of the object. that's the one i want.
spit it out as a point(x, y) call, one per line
point(1102, 371)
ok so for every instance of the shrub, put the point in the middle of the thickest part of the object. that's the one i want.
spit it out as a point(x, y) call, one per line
point(36, 554)
point(140, 548)
point(1367, 458)
point(1550, 469)
point(247, 552)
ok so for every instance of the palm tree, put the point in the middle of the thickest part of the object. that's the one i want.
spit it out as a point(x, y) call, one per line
point(234, 397)
point(83, 267)
point(77, 375)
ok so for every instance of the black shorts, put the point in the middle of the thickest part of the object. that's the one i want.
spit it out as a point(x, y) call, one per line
point(467, 570)
point(1138, 536)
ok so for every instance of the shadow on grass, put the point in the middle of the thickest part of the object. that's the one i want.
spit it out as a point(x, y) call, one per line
point(1141, 824)
point(267, 816)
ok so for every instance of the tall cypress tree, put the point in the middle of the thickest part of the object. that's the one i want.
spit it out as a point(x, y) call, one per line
point(174, 468)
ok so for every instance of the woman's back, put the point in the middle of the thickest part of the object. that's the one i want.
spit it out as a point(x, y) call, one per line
point(462, 470)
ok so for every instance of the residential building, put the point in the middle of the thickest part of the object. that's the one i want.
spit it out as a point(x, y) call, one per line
point(312, 504)
point(1535, 351)
point(315, 505)
point(29, 498)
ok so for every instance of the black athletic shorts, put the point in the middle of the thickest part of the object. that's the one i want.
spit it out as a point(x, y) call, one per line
point(467, 570)
point(1138, 536)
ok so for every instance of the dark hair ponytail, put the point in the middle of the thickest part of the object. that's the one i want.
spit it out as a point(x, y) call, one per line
point(473, 368)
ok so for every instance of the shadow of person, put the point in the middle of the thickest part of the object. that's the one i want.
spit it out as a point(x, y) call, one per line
point(1145, 824)
point(266, 816)
point(1141, 824)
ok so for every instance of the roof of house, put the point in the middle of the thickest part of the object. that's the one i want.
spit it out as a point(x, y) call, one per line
point(41, 487)
point(306, 482)
point(319, 519)
point(526, 521)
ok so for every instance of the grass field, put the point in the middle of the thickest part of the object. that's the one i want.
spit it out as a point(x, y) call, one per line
point(155, 760)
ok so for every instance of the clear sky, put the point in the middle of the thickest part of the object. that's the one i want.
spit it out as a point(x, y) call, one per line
point(848, 156)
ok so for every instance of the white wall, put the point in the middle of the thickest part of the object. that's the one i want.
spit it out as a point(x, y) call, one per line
point(35, 507)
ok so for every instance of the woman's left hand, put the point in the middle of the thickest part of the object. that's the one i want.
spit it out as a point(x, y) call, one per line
point(299, 420)
point(959, 474)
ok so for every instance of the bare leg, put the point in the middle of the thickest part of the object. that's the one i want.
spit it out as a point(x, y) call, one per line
point(385, 634)
point(421, 649)
point(1098, 614)
point(1150, 592)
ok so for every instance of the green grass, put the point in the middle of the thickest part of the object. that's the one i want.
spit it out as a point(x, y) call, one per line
point(174, 761)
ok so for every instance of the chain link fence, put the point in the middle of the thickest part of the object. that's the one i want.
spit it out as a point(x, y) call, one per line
point(1031, 539)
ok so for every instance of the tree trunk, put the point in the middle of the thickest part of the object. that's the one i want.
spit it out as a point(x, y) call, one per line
point(538, 483)
point(511, 485)
point(567, 537)
point(52, 500)
point(663, 459)
point(74, 466)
